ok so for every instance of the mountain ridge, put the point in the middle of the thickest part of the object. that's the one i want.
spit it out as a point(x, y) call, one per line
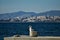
point(28, 14)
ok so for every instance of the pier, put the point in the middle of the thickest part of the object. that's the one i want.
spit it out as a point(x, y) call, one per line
point(32, 38)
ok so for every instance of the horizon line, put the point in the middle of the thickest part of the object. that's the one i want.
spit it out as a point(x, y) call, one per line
point(30, 11)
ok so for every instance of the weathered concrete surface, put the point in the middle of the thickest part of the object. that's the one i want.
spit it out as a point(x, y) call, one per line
point(32, 38)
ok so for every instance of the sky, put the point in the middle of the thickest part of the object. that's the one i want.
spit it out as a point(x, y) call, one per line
point(8, 6)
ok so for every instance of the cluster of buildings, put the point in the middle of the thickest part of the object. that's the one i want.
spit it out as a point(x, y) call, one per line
point(33, 19)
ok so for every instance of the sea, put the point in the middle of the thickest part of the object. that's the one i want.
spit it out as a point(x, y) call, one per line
point(43, 29)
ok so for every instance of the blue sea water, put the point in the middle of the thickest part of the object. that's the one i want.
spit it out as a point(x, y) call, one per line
point(43, 29)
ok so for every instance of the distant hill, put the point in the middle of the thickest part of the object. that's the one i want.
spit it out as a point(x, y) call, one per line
point(51, 13)
point(28, 14)
point(17, 14)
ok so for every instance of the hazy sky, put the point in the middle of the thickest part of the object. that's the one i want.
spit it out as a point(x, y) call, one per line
point(7, 6)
